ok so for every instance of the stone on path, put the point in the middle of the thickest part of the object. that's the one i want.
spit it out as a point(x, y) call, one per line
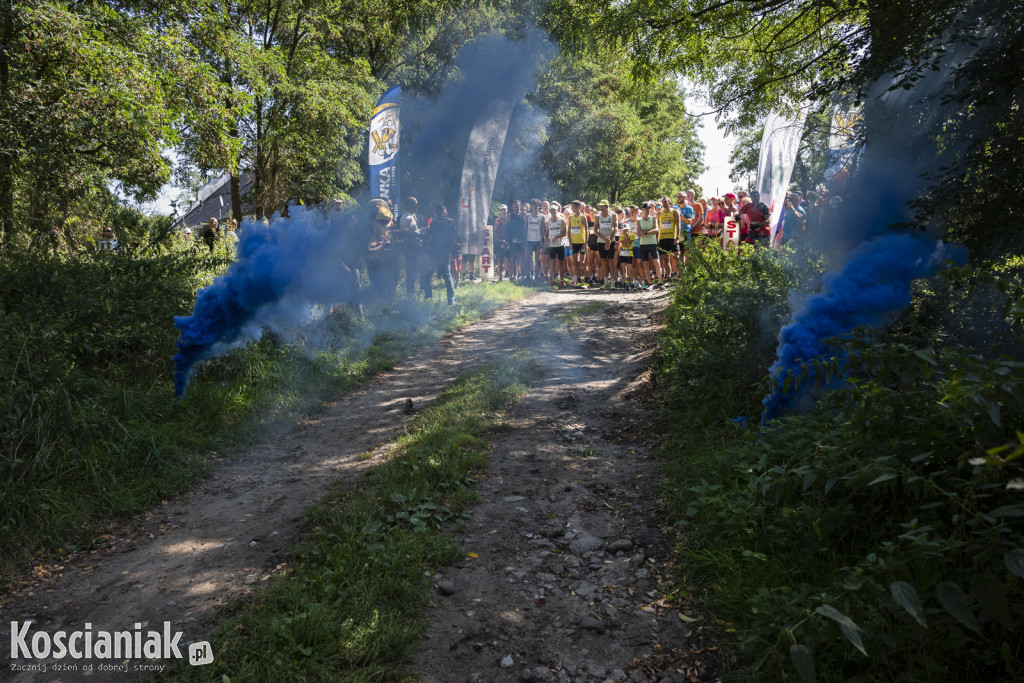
point(585, 544)
point(623, 545)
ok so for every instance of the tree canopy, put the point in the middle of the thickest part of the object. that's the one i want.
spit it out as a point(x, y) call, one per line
point(613, 138)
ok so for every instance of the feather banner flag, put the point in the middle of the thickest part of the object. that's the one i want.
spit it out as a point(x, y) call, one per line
point(478, 175)
point(779, 146)
point(384, 147)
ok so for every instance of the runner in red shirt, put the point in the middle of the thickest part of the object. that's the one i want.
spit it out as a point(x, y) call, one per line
point(757, 214)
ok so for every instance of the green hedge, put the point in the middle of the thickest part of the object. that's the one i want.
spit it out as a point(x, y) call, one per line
point(879, 536)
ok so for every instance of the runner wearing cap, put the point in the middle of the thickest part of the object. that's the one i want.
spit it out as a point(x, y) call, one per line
point(625, 255)
point(645, 250)
point(758, 216)
point(515, 231)
point(543, 263)
point(534, 230)
point(557, 234)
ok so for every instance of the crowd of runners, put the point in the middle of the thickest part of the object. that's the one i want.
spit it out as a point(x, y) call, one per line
point(620, 246)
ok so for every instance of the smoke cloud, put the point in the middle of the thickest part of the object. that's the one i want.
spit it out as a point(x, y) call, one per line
point(890, 245)
point(872, 287)
point(437, 128)
point(288, 269)
point(282, 270)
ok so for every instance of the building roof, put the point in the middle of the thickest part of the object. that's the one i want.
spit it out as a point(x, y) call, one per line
point(213, 200)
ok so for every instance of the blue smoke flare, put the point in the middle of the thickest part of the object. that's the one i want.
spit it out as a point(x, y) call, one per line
point(295, 263)
point(282, 269)
point(873, 285)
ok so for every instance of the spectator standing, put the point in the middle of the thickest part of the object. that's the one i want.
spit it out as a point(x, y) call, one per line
point(792, 220)
point(815, 208)
point(381, 256)
point(408, 234)
point(211, 233)
point(754, 230)
point(440, 241)
point(516, 232)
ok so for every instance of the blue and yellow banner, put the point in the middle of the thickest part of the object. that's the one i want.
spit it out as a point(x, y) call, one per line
point(384, 147)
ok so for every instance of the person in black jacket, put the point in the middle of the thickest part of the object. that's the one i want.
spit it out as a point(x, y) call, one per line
point(440, 241)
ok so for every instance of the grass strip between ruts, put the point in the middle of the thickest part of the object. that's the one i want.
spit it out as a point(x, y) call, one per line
point(353, 602)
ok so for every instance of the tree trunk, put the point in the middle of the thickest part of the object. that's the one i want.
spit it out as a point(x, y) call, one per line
point(259, 189)
point(236, 196)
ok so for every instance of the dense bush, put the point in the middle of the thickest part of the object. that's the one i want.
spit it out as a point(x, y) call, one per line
point(722, 329)
point(879, 536)
point(88, 425)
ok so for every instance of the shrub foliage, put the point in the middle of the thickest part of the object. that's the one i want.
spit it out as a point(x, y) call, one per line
point(878, 536)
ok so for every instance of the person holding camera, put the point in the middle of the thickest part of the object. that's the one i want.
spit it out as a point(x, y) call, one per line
point(754, 217)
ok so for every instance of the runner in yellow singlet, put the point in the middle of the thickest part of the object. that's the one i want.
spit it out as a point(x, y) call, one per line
point(577, 239)
point(668, 239)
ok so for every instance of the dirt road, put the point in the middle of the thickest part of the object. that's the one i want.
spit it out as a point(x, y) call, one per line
point(571, 552)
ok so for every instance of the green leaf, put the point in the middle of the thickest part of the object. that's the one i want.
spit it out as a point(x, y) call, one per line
point(991, 595)
point(927, 355)
point(1008, 511)
point(804, 663)
point(906, 597)
point(1015, 561)
point(994, 413)
point(846, 625)
point(884, 477)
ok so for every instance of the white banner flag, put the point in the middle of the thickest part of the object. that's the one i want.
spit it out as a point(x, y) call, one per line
point(779, 146)
point(479, 172)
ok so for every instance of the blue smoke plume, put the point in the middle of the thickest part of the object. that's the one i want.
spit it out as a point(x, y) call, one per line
point(873, 285)
point(282, 269)
point(289, 267)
